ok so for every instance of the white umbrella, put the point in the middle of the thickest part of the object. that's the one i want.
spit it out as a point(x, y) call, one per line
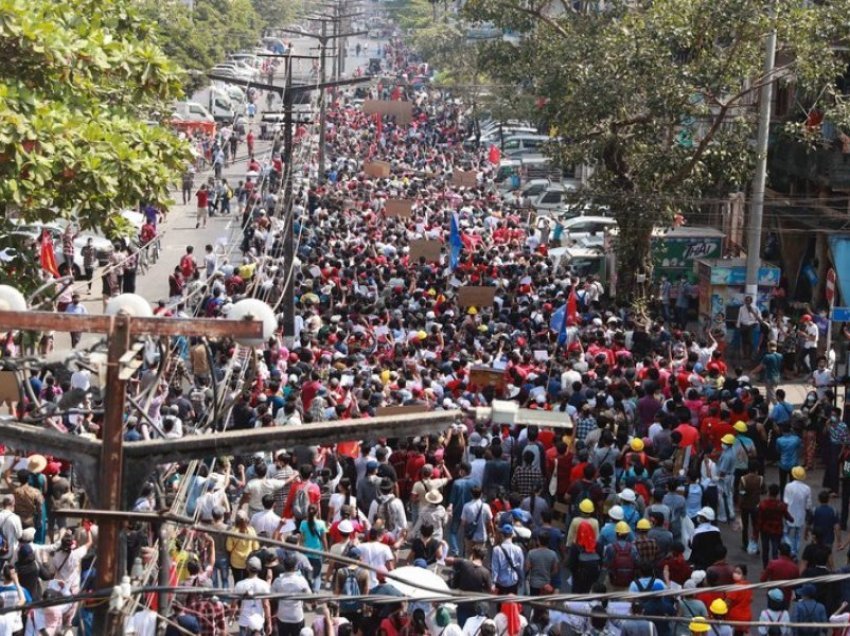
point(408, 580)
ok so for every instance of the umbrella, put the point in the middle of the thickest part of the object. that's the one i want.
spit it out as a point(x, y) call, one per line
point(408, 579)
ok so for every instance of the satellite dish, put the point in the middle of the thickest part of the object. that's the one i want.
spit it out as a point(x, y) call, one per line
point(253, 309)
point(130, 305)
point(11, 299)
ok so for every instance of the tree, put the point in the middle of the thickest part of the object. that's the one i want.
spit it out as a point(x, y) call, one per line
point(80, 88)
point(275, 13)
point(200, 39)
point(658, 95)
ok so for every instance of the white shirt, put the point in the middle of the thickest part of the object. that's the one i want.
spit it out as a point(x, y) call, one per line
point(811, 332)
point(257, 488)
point(67, 565)
point(377, 555)
point(748, 316)
point(10, 526)
point(141, 623)
point(472, 625)
point(798, 498)
point(250, 607)
point(10, 599)
point(265, 522)
point(290, 583)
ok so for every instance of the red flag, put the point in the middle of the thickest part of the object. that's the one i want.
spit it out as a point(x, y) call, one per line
point(47, 255)
point(572, 307)
point(494, 155)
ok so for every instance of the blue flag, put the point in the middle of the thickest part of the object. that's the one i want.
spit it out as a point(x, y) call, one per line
point(455, 242)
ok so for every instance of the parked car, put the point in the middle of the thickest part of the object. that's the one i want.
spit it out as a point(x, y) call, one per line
point(524, 144)
point(527, 193)
point(552, 200)
point(572, 231)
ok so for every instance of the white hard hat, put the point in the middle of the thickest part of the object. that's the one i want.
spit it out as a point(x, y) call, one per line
point(706, 512)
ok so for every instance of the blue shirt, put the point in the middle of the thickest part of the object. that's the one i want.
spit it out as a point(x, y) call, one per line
point(781, 412)
point(824, 519)
point(505, 574)
point(460, 495)
point(726, 463)
point(789, 450)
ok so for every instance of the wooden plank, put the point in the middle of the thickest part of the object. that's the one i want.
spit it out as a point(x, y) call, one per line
point(160, 451)
point(389, 411)
point(210, 327)
point(430, 249)
point(398, 208)
point(377, 169)
point(476, 296)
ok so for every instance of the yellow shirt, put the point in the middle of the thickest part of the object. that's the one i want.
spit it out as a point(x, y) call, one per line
point(239, 549)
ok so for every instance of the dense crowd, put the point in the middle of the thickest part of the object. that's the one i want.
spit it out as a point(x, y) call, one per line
point(661, 441)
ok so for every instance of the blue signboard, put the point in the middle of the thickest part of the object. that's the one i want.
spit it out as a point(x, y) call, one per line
point(841, 314)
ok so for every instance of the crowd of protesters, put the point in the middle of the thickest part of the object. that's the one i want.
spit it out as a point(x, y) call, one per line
point(661, 441)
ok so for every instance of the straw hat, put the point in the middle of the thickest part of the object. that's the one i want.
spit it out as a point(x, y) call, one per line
point(36, 463)
point(434, 497)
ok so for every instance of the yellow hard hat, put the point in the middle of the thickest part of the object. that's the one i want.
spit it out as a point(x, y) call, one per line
point(472, 311)
point(728, 438)
point(422, 335)
point(718, 606)
point(798, 473)
point(643, 524)
point(622, 528)
point(385, 376)
point(586, 506)
point(637, 444)
point(699, 625)
point(740, 427)
point(432, 292)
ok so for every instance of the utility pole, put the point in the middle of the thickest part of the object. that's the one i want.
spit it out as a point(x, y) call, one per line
point(760, 180)
point(284, 207)
point(322, 101)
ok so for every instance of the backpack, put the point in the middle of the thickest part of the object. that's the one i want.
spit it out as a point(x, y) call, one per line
point(657, 606)
point(301, 502)
point(187, 266)
point(622, 569)
point(350, 587)
point(385, 513)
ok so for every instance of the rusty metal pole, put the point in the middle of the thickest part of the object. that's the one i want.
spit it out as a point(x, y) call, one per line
point(111, 483)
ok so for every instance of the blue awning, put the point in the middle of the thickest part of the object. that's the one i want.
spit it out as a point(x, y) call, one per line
point(840, 247)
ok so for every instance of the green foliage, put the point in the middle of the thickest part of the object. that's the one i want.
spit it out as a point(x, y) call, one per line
point(200, 39)
point(275, 13)
point(658, 95)
point(80, 83)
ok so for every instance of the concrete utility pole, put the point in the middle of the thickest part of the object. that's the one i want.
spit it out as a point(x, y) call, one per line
point(122, 364)
point(760, 180)
point(323, 39)
point(288, 92)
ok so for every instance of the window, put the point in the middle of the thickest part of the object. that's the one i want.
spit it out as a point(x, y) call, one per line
point(552, 197)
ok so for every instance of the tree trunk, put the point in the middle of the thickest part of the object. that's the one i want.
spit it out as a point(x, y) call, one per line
point(633, 264)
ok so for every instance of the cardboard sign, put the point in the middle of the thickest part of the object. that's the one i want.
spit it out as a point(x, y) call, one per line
point(401, 110)
point(473, 296)
point(430, 249)
point(401, 410)
point(10, 393)
point(485, 376)
point(465, 178)
point(377, 169)
point(398, 208)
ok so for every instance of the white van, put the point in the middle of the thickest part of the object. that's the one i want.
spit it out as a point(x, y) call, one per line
point(218, 102)
point(191, 111)
point(524, 144)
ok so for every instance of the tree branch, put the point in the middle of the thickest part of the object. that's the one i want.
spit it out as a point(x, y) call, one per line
point(536, 13)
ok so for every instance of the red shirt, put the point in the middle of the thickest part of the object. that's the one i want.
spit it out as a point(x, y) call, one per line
point(781, 569)
point(690, 436)
point(203, 197)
